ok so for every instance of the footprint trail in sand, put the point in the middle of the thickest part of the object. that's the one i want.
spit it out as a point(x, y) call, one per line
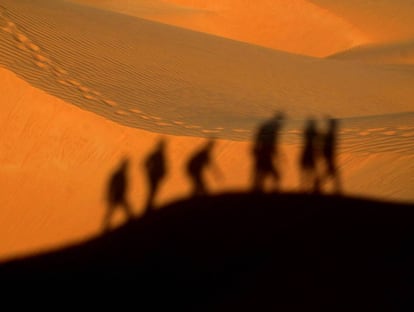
point(63, 77)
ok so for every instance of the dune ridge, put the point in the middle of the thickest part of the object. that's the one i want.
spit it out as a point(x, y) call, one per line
point(277, 25)
point(299, 26)
point(382, 21)
point(197, 69)
point(295, 27)
point(399, 53)
point(302, 27)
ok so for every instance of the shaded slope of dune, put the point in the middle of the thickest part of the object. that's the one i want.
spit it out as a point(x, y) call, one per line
point(139, 8)
point(297, 27)
point(248, 251)
point(390, 53)
point(152, 76)
point(381, 21)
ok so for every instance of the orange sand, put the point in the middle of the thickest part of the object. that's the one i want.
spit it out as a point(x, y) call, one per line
point(77, 91)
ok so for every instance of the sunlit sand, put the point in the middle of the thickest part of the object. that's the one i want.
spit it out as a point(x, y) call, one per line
point(83, 86)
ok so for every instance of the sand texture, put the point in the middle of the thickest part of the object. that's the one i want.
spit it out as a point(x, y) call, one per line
point(85, 83)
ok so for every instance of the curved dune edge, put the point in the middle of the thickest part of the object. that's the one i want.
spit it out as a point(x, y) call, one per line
point(391, 53)
point(381, 21)
point(56, 158)
point(295, 27)
point(96, 68)
point(303, 27)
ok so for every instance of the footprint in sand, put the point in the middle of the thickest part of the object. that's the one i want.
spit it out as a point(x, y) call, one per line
point(63, 82)
point(121, 112)
point(33, 47)
point(41, 61)
point(155, 117)
point(240, 130)
point(59, 70)
point(9, 27)
point(405, 128)
point(192, 127)
point(83, 88)
point(41, 58)
point(24, 43)
point(21, 37)
point(40, 64)
point(110, 103)
point(376, 129)
point(408, 134)
point(391, 132)
point(57, 74)
point(163, 124)
point(22, 47)
point(89, 97)
point(144, 117)
point(135, 111)
point(210, 131)
point(6, 29)
point(74, 82)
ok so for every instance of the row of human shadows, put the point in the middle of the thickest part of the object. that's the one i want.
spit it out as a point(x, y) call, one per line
point(317, 163)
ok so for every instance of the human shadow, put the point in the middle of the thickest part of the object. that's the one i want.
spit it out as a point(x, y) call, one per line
point(245, 251)
point(155, 167)
point(117, 193)
point(308, 159)
point(196, 166)
point(328, 153)
point(266, 154)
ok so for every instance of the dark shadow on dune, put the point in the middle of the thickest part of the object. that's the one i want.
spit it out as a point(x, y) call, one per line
point(155, 167)
point(318, 158)
point(251, 251)
point(196, 166)
point(329, 155)
point(266, 153)
point(117, 193)
point(308, 162)
point(248, 252)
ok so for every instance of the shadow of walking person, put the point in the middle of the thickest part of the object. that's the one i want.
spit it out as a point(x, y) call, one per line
point(117, 193)
point(310, 181)
point(265, 153)
point(196, 166)
point(156, 169)
point(329, 155)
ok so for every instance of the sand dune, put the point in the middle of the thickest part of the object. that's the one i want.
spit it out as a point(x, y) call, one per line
point(139, 8)
point(302, 26)
point(81, 87)
point(56, 159)
point(295, 27)
point(395, 53)
point(152, 65)
point(381, 21)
